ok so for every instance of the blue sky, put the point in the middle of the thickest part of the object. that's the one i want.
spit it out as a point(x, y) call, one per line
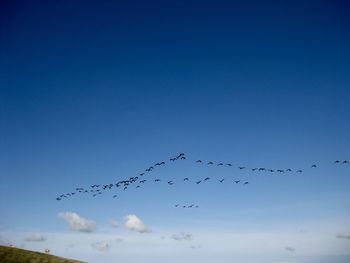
point(97, 92)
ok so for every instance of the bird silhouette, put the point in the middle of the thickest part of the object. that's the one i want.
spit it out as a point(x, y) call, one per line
point(170, 183)
point(299, 171)
point(221, 180)
point(228, 164)
point(198, 182)
point(207, 178)
point(199, 161)
point(219, 164)
point(337, 161)
point(241, 167)
point(246, 183)
point(210, 163)
point(114, 196)
point(313, 166)
point(157, 180)
point(186, 179)
point(176, 205)
point(346, 161)
point(237, 181)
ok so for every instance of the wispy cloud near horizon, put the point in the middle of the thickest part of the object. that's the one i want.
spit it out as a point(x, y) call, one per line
point(78, 223)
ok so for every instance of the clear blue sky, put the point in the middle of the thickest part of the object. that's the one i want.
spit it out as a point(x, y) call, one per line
point(95, 92)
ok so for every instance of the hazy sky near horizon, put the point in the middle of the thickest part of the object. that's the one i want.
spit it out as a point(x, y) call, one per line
point(96, 92)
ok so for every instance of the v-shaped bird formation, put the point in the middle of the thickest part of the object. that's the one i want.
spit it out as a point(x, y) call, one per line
point(139, 180)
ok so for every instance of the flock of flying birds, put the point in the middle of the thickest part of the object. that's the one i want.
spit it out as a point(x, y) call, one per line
point(138, 181)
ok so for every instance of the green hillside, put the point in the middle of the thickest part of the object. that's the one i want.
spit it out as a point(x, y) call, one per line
point(16, 255)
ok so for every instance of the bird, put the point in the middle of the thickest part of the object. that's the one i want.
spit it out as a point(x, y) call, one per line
point(245, 183)
point(199, 161)
point(207, 178)
point(337, 161)
point(170, 183)
point(186, 179)
point(262, 169)
point(143, 181)
point(254, 169)
point(190, 206)
point(141, 174)
point(114, 196)
point(157, 180)
point(219, 164)
point(183, 158)
point(176, 205)
point(221, 180)
point(281, 171)
point(299, 171)
point(184, 206)
point(198, 182)
point(210, 163)
point(241, 167)
point(58, 199)
point(237, 181)
point(271, 170)
point(313, 166)
point(346, 161)
point(172, 159)
point(289, 170)
point(137, 186)
point(228, 164)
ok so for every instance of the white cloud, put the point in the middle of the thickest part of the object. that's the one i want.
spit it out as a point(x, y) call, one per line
point(101, 246)
point(114, 223)
point(196, 246)
point(342, 236)
point(290, 249)
point(77, 223)
point(182, 236)
point(34, 238)
point(118, 239)
point(132, 222)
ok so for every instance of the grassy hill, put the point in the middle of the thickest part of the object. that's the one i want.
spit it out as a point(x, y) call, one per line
point(16, 255)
